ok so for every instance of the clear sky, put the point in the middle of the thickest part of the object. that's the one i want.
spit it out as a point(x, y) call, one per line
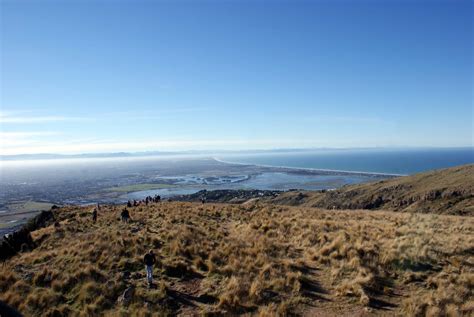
point(102, 76)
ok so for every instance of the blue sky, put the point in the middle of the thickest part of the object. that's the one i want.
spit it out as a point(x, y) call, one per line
point(102, 76)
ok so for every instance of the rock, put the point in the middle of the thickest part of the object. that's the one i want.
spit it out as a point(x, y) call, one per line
point(43, 219)
point(206, 299)
point(137, 275)
point(15, 242)
point(127, 296)
point(20, 239)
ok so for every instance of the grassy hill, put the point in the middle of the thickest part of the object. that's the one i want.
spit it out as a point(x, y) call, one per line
point(447, 191)
point(253, 258)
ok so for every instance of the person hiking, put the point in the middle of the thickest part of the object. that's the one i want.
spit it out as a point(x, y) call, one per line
point(149, 259)
point(125, 215)
point(129, 204)
point(94, 215)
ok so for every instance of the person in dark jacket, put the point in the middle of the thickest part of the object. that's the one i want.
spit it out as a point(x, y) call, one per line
point(149, 260)
point(94, 215)
point(125, 215)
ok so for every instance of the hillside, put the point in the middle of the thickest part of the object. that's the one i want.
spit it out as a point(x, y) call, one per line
point(446, 191)
point(252, 258)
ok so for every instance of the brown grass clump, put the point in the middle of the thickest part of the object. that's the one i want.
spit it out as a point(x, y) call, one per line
point(447, 191)
point(449, 294)
point(256, 259)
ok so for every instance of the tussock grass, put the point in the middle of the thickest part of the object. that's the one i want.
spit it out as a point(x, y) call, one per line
point(254, 258)
point(447, 191)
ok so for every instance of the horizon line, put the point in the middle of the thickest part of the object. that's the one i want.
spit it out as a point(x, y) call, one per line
point(208, 151)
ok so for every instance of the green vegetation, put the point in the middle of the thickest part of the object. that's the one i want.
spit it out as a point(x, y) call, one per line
point(138, 187)
point(28, 206)
point(5, 225)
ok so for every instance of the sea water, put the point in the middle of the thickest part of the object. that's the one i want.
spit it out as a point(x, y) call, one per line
point(391, 161)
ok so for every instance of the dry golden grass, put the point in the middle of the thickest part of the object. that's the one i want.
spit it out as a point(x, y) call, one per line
point(255, 259)
point(447, 191)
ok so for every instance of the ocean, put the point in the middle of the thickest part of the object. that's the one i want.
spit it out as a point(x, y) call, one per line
point(390, 161)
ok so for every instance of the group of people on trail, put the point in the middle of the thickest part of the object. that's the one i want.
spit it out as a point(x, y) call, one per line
point(149, 259)
point(150, 199)
point(146, 201)
point(125, 214)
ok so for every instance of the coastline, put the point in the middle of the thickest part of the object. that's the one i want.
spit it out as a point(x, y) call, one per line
point(223, 168)
point(311, 169)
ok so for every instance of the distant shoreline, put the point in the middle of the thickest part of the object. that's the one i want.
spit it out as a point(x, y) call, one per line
point(202, 167)
point(312, 169)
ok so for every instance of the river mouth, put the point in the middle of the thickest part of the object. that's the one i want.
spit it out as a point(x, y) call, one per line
point(276, 181)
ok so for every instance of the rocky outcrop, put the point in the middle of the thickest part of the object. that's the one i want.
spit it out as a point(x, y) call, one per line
point(43, 219)
point(15, 242)
point(20, 240)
